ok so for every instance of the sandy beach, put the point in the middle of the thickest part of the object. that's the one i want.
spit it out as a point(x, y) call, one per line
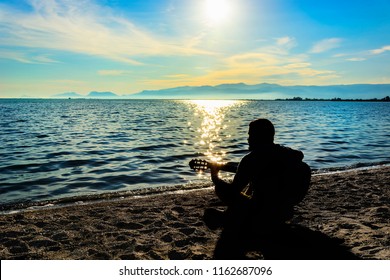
point(349, 209)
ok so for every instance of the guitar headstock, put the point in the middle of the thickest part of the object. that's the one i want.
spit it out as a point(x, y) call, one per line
point(199, 164)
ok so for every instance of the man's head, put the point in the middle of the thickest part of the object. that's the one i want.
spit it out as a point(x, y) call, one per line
point(261, 132)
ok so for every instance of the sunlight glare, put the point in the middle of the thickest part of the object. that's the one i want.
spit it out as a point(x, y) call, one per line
point(212, 114)
point(213, 106)
point(217, 11)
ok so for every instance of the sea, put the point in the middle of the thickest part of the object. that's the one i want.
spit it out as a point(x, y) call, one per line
point(55, 150)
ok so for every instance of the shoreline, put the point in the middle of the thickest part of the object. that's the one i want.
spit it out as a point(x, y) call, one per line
point(17, 207)
point(351, 206)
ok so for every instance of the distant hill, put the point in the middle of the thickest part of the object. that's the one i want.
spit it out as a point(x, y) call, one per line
point(268, 91)
point(103, 94)
point(68, 95)
point(92, 94)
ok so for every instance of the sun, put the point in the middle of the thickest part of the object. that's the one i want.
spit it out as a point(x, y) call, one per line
point(217, 11)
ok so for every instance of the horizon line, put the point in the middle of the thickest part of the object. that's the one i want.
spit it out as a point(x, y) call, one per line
point(239, 83)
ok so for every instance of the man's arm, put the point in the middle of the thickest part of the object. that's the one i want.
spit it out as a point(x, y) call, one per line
point(226, 191)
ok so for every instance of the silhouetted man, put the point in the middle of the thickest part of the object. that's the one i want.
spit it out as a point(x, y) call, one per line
point(260, 199)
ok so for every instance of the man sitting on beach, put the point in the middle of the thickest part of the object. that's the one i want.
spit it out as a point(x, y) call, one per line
point(262, 194)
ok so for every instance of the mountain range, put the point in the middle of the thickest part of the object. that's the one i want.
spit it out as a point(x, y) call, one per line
point(244, 91)
point(92, 94)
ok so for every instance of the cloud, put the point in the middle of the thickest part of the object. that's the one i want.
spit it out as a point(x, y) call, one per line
point(114, 72)
point(286, 41)
point(26, 57)
point(177, 76)
point(85, 28)
point(362, 55)
point(252, 59)
point(381, 50)
point(326, 45)
point(356, 59)
point(271, 63)
point(298, 65)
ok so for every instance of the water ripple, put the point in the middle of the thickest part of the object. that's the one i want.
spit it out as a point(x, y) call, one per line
point(61, 148)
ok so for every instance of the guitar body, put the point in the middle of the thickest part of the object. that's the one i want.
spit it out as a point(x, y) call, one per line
point(296, 183)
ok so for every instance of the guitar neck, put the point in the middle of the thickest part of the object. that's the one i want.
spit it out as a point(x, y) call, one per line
point(202, 165)
point(229, 167)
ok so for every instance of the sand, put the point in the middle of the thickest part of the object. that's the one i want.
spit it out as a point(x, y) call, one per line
point(351, 208)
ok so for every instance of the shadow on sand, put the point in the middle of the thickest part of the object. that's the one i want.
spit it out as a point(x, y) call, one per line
point(295, 242)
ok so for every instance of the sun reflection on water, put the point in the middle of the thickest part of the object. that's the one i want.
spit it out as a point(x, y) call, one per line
point(212, 115)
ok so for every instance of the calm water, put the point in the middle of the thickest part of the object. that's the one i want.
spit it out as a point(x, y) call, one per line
point(60, 148)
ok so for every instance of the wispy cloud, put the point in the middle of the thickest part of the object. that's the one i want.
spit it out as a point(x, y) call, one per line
point(298, 65)
point(326, 45)
point(26, 57)
point(86, 28)
point(288, 42)
point(380, 50)
point(114, 72)
point(362, 55)
point(177, 76)
point(274, 62)
point(356, 59)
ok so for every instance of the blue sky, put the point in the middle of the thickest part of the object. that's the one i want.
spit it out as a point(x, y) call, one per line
point(54, 46)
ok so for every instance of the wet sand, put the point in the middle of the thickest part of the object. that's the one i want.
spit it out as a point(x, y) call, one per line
point(351, 208)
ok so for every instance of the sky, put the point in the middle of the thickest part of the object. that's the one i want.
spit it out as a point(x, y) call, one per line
point(126, 46)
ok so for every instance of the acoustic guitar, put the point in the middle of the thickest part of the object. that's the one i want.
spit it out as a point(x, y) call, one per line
point(294, 181)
